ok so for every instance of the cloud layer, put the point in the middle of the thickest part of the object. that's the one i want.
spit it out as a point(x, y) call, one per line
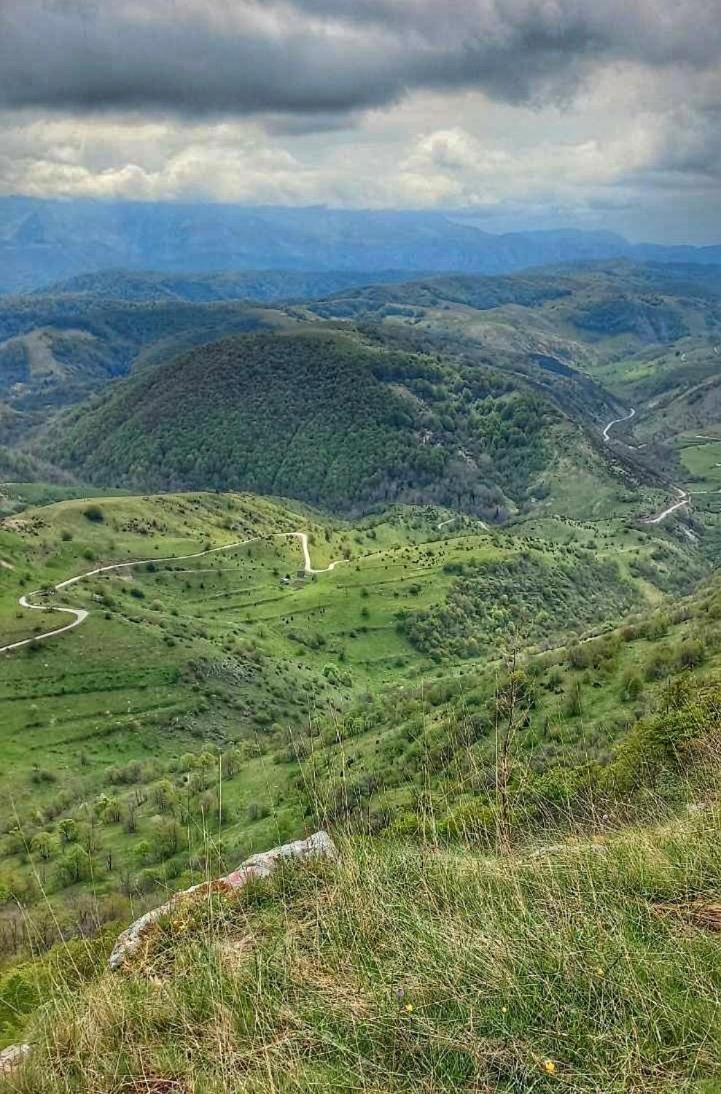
point(535, 112)
point(320, 56)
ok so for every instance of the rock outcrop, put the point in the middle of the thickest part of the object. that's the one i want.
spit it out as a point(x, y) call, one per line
point(11, 1058)
point(257, 866)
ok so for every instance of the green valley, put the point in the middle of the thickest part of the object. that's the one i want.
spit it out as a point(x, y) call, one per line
point(400, 563)
point(230, 655)
point(360, 547)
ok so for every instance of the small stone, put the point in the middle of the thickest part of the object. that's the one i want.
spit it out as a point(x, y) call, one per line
point(257, 866)
point(11, 1058)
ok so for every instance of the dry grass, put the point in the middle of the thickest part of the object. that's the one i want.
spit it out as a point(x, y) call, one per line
point(401, 969)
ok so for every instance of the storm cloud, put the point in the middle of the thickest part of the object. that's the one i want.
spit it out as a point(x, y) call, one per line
point(323, 56)
point(533, 113)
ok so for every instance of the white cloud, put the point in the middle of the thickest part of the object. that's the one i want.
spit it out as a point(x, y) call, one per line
point(637, 152)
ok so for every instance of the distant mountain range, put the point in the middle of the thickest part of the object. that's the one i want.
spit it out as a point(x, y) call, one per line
point(45, 241)
point(266, 286)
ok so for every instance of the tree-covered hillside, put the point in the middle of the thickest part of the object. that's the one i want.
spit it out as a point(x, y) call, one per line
point(640, 304)
point(322, 416)
point(572, 335)
point(506, 386)
point(56, 350)
point(593, 339)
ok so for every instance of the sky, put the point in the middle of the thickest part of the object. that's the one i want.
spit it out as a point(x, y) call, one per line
point(531, 113)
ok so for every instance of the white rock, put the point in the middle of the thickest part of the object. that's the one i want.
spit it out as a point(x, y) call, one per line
point(261, 865)
point(12, 1057)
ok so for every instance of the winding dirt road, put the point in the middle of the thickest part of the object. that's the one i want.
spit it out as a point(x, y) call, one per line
point(683, 496)
point(617, 421)
point(306, 554)
point(81, 614)
point(684, 499)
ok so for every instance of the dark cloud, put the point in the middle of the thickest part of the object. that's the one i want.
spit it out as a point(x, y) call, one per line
point(65, 58)
point(693, 145)
point(323, 57)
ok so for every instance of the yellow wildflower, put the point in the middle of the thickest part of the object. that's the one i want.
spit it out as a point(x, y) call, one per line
point(549, 1067)
point(408, 1008)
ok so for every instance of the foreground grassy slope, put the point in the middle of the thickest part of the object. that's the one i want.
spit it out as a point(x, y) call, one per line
point(233, 667)
point(100, 713)
point(592, 967)
point(216, 706)
point(424, 757)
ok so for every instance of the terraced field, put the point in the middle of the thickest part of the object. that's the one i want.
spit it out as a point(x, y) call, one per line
point(170, 732)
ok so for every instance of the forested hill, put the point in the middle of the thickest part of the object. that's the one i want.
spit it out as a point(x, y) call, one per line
point(56, 350)
point(650, 302)
point(322, 416)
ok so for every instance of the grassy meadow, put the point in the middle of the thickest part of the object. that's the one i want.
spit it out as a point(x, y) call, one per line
point(217, 705)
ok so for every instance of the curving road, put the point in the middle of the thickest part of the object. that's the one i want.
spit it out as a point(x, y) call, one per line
point(617, 421)
point(81, 614)
point(684, 499)
point(302, 536)
point(683, 496)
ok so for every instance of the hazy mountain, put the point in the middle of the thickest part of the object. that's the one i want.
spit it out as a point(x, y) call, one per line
point(266, 286)
point(42, 242)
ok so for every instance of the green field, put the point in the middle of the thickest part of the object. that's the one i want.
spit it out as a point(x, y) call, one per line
point(700, 455)
point(191, 698)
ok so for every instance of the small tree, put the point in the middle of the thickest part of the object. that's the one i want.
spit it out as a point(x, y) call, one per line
point(631, 685)
point(512, 702)
point(43, 845)
point(68, 829)
point(164, 796)
point(74, 866)
point(112, 811)
point(165, 839)
point(130, 816)
point(230, 763)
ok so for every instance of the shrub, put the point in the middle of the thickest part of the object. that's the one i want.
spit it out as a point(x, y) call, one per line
point(631, 685)
point(257, 811)
point(690, 653)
